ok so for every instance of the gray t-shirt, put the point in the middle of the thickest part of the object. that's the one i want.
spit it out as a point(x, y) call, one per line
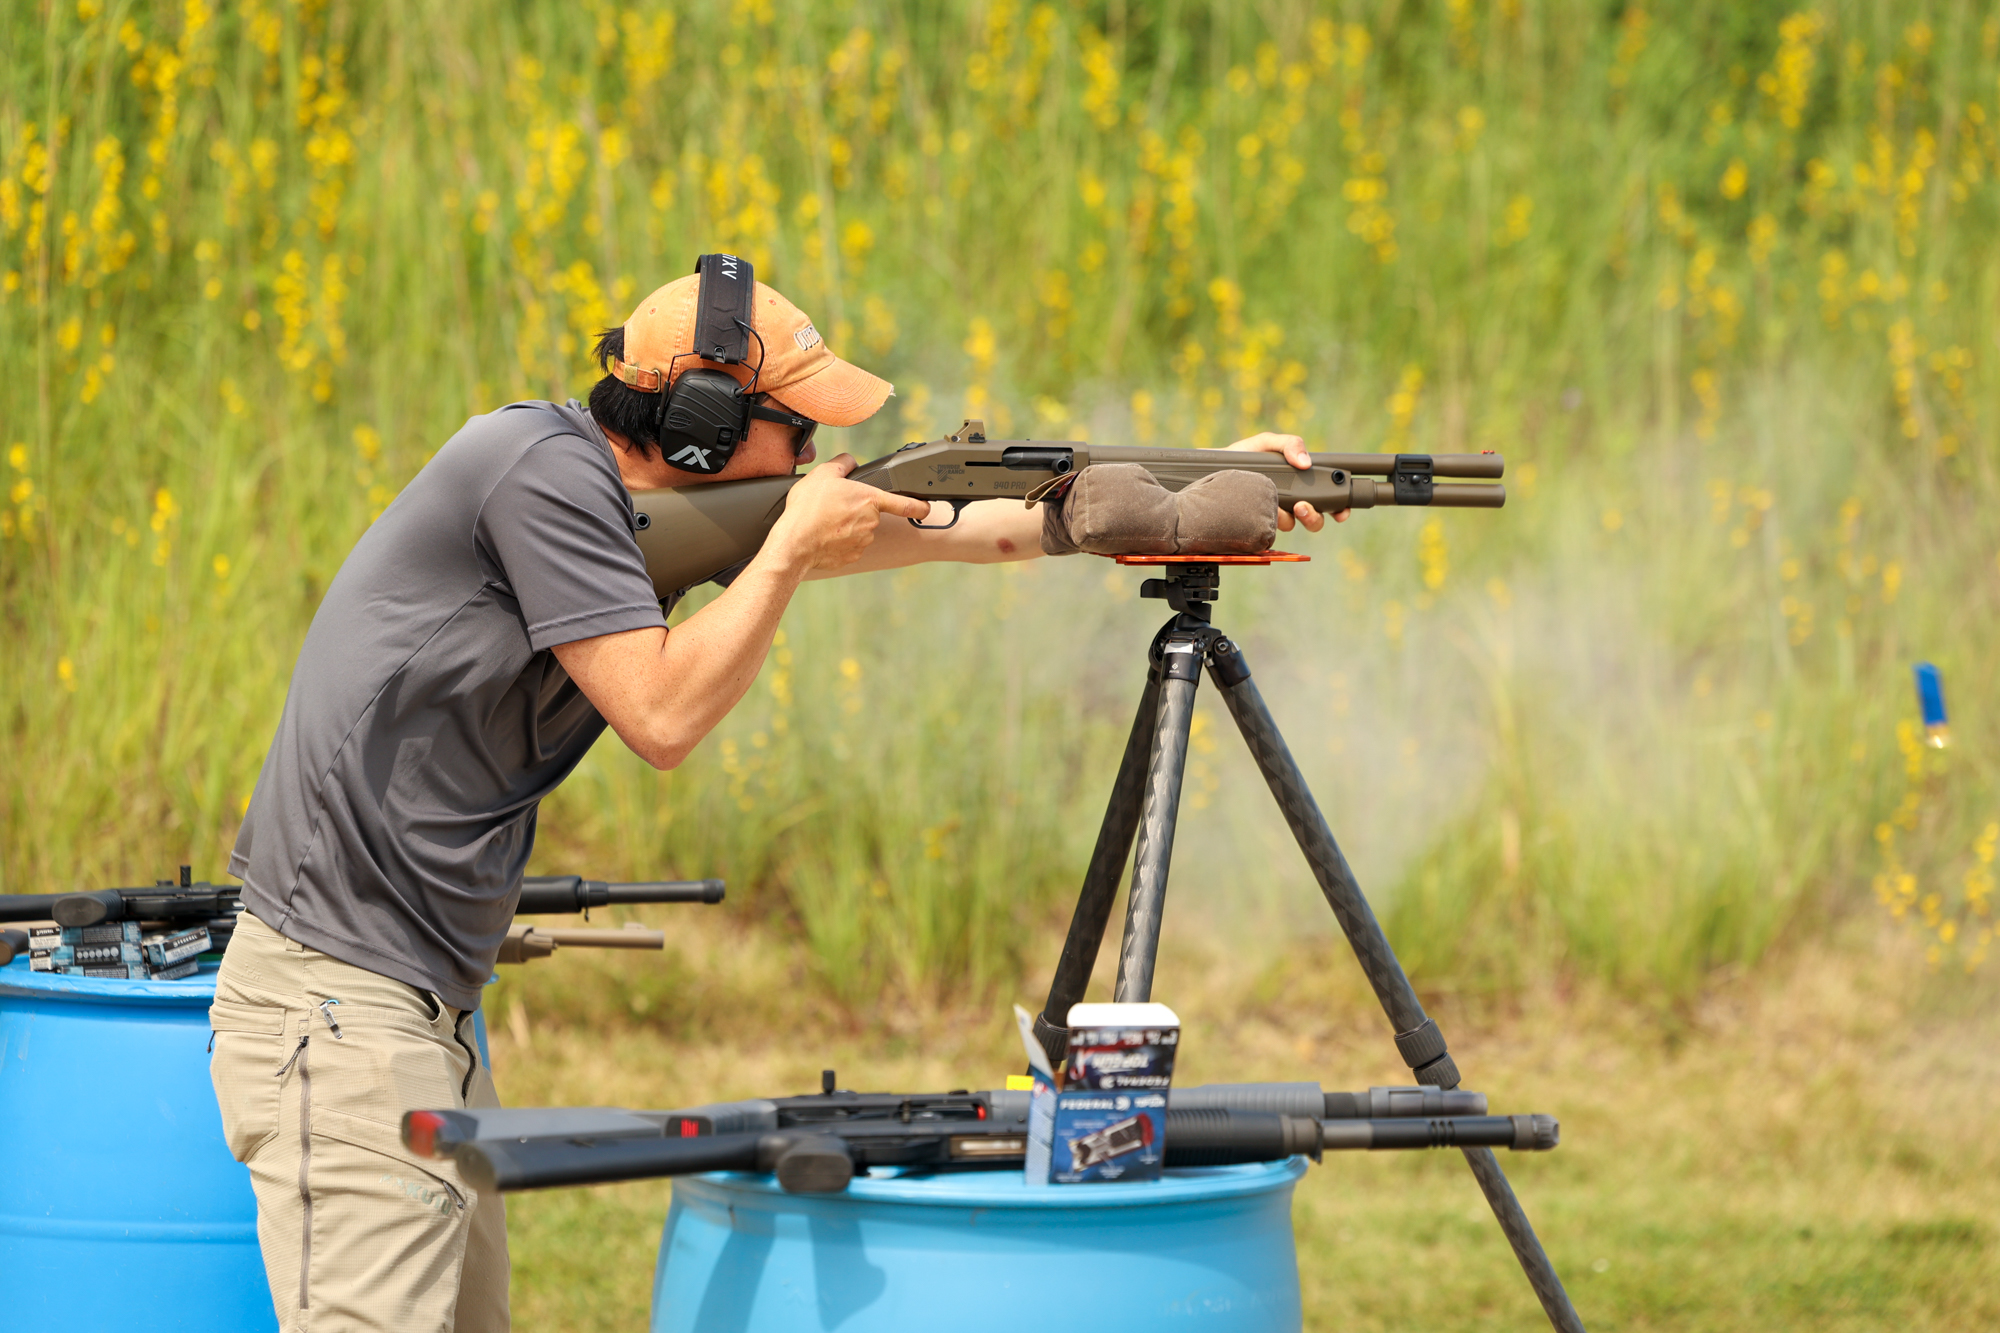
point(427, 717)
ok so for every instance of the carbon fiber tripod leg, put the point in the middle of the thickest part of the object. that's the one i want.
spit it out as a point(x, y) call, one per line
point(1417, 1038)
point(1521, 1237)
point(1100, 881)
point(1180, 674)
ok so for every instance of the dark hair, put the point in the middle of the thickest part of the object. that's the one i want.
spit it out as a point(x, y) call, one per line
point(618, 406)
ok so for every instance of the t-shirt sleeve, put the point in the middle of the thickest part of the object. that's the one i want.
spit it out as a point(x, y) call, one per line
point(559, 526)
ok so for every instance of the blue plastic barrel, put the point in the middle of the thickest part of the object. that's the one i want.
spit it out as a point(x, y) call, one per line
point(120, 1206)
point(1207, 1249)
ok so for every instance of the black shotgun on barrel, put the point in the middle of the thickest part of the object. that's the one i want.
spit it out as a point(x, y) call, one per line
point(817, 1144)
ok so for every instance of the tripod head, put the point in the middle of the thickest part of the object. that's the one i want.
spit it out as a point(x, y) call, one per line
point(1191, 582)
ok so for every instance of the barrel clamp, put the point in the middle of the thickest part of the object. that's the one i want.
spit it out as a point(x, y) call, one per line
point(1413, 479)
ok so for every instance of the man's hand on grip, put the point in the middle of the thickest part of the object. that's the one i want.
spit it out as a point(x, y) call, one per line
point(1295, 452)
point(829, 521)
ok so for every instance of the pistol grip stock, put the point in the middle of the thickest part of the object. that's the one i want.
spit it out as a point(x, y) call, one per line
point(689, 534)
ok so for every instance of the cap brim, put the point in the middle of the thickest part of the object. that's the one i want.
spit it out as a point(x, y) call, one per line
point(837, 394)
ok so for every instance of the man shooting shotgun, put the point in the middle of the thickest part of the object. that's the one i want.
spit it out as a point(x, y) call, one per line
point(478, 639)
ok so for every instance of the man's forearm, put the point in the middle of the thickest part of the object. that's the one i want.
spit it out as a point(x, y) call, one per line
point(712, 658)
point(990, 532)
point(661, 691)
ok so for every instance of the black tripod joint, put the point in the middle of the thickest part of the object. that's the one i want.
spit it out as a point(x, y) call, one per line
point(1226, 665)
point(1185, 644)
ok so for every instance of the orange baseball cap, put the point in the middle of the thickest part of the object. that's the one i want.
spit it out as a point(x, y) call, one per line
point(798, 369)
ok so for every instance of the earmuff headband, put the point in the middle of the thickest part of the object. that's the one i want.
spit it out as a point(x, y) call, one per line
point(724, 308)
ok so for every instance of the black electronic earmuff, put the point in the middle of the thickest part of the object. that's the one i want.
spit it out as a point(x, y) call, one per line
point(704, 414)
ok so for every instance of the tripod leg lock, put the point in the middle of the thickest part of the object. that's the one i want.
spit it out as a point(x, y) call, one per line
point(1054, 1040)
point(1422, 1049)
point(1439, 1073)
point(1226, 664)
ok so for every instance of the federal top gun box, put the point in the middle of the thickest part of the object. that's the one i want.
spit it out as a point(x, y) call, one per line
point(1109, 1121)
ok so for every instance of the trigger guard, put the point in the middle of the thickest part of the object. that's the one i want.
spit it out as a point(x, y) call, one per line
point(957, 508)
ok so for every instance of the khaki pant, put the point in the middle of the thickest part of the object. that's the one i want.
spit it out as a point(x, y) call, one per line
point(315, 1062)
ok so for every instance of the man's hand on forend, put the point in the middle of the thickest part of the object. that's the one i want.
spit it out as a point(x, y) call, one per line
point(1295, 452)
point(829, 521)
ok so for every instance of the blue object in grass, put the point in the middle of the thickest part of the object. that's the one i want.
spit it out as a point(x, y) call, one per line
point(1930, 701)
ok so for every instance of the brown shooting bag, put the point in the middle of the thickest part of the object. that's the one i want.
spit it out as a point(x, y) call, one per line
point(1122, 509)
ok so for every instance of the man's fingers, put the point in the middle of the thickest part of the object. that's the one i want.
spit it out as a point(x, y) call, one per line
point(908, 506)
point(1301, 513)
point(840, 465)
point(1270, 442)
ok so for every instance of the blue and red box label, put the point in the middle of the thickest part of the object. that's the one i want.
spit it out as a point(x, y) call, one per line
point(1110, 1120)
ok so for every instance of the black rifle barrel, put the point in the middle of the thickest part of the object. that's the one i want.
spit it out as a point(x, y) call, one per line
point(572, 893)
point(1522, 1133)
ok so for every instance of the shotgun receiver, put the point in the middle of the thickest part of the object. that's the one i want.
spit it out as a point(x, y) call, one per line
point(689, 534)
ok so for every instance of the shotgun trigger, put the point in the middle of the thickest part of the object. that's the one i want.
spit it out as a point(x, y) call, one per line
point(957, 508)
